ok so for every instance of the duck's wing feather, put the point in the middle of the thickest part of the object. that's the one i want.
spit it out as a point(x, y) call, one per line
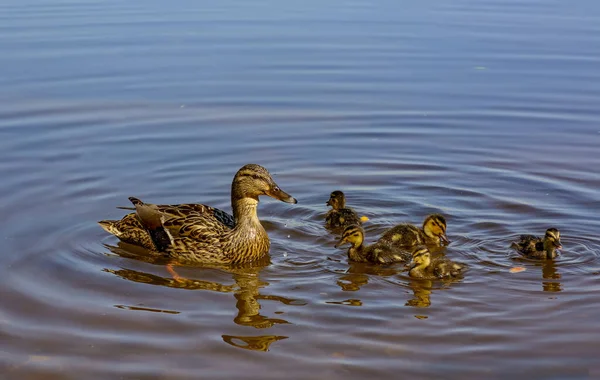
point(193, 221)
point(403, 235)
point(191, 210)
point(444, 268)
point(527, 244)
point(382, 254)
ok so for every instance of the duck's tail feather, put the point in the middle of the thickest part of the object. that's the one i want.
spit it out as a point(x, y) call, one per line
point(126, 208)
point(110, 226)
point(152, 220)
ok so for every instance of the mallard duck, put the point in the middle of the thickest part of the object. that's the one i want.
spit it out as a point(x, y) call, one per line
point(340, 215)
point(203, 234)
point(422, 266)
point(408, 235)
point(377, 253)
point(536, 248)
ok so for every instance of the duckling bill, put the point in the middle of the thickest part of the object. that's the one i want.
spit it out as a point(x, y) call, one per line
point(377, 253)
point(202, 234)
point(539, 248)
point(340, 215)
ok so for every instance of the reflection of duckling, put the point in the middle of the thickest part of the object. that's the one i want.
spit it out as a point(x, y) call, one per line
point(536, 248)
point(422, 266)
point(407, 235)
point(339, 215)
point(378, 253)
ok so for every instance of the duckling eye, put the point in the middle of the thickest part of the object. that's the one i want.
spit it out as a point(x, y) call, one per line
point(276, 188)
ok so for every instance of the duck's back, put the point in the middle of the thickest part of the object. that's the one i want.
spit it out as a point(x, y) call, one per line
point(343, 217)
point(381, 253)
point(445, 268)
point(530, 245)
point(197, 221)
point(403, 235)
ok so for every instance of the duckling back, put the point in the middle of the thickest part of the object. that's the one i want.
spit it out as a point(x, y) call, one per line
point(341, 218)
point(403, 235)
point(382, 253)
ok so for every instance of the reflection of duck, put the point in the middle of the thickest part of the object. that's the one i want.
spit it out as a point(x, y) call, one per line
point(539, 248)
point(246, 290)
point(422, 292)
point(202, 234)
point(552, 277)
point(340, 215)
point(255, 343)
point(377, 253)
point(408, 235)
point(422, 266)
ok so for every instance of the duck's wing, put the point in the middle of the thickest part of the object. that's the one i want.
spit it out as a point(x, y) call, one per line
point(191, 210)
point(527, 244)
point(341, 218)
point(195, 221)
point(382, 254)
point(403, 235)
point(444, 268)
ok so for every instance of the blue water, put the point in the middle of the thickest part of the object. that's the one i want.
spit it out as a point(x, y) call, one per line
point(485, 111)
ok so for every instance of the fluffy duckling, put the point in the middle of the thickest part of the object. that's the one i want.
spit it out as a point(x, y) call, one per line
point(422, 266)
point(408, 235)
point(377, 253)
point(340, 215)
point(536, 248)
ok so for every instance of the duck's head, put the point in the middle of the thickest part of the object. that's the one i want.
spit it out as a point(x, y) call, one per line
point(552, 240)
point(253, 180)
point(352, 234)
point(434, 226)
point(337, 200)
point(421, 258)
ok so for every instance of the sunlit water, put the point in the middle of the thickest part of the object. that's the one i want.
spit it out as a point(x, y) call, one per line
point(485, 111)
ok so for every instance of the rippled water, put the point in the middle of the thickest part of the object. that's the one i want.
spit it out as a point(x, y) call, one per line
point(485, 111)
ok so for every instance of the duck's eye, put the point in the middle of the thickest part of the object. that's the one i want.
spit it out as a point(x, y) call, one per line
point(276, 188)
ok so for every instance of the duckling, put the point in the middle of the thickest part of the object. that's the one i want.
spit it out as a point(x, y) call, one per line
point(407, 235)
point(377, 253)
point(536, 248)
point(202, 234)
point(422, 266)
point(340, 215)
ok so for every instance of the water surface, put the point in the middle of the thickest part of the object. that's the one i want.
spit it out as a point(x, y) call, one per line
point(485, 111)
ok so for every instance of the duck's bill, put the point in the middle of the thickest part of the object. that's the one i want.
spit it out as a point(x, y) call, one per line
point(340, 243)
point(282, 196)
point(444, 239)
point(328, 203)
point(557, 245)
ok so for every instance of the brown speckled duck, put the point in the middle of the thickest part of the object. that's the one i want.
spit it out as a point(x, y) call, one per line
point(377, 253)
point(536, 248)
point(202, 234)
point(422, 266)
point(406, 235)
point(340, 215)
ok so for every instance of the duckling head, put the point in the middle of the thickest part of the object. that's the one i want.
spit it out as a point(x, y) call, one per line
point(434, 226)
point(253, 180)
point(552, 241)
point(421, 258)
point(337, 200)
point(352, 234)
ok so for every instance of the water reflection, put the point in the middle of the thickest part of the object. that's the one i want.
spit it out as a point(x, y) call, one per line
point(421, 291)
point(246, 290)
point(357, 275)
point(255, 343)
point(550, 272)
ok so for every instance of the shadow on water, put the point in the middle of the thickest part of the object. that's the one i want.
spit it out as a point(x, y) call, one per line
point(246, 290)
